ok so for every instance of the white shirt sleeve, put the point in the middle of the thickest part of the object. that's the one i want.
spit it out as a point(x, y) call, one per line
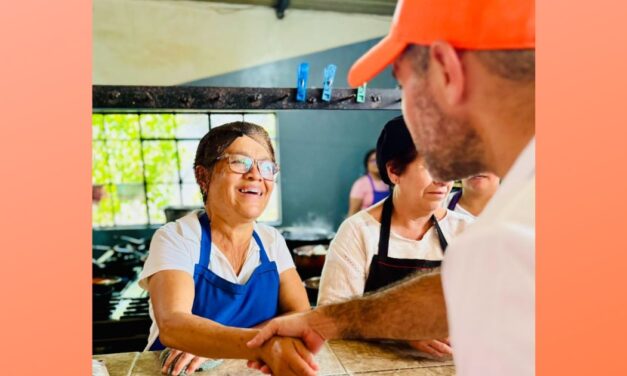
point(168, 251)
point(344, 272)
point(489, 284)
point(282, 255)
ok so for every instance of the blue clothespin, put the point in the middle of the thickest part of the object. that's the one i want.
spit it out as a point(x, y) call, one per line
point(361, 93)
point(329, 76)
point(301, 82)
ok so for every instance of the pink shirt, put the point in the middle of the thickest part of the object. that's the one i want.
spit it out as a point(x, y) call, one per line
point(362, 190)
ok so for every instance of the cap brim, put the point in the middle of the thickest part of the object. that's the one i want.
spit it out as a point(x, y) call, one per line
point(375, 60)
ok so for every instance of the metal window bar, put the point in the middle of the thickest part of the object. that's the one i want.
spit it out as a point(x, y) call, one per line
point(144, 182)
point(143, 162)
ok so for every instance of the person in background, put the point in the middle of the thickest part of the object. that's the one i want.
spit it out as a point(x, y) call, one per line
point(406, 233)
point(476, 192)
point(215, 274)
point(368, 189)
point(97, 193)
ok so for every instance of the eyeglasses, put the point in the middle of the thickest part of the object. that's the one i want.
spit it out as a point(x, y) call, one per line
point(242, 164)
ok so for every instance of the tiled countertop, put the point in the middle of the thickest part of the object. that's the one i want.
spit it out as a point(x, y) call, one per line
point(335, 358)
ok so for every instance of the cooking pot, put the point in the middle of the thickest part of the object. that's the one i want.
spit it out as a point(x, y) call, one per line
point(309, 259)
point(311, 286)
point(102, 291)
point(105, 286)
point(296, 236)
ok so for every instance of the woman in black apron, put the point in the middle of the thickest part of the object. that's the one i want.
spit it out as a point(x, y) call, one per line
point(402, 236)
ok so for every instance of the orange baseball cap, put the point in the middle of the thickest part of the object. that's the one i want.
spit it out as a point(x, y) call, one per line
point(466, 24)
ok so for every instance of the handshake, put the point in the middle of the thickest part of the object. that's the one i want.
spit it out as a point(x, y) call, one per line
point(286, 345)
point(283, 346)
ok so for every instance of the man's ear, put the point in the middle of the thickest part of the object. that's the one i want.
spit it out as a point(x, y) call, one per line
point(447, 78)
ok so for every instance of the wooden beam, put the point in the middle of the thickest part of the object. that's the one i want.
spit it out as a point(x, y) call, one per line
point(198, 98)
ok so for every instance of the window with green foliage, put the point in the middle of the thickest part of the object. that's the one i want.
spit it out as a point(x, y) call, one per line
point(143, 163)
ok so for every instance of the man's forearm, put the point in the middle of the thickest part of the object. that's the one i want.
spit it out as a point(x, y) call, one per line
point(413, 309)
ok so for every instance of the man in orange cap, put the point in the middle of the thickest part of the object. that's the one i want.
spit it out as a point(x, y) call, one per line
point(467, 72)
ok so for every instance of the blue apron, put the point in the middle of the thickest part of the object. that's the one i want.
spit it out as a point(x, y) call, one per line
point(228, 303)
point(377, 195)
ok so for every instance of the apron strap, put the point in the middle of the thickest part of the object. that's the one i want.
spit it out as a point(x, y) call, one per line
point(262, 251)
point(386, 222)
point(371, 182)
point(453, 203)
point(443, 242)
point(205, 242)
point(372, 185)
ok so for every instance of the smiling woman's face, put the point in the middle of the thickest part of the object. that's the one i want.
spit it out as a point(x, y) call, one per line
point(240, 197)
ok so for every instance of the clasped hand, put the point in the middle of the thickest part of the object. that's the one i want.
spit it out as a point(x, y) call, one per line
point(294, 328)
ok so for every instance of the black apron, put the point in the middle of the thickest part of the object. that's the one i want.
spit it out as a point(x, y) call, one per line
point(385, 270)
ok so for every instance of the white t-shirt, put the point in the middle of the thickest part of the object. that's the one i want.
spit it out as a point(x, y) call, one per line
point(458, 208)
point(176, 246)
point(489, 281)
point(357, 241)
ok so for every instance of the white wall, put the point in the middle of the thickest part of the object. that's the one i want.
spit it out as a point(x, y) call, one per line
point(148, 42)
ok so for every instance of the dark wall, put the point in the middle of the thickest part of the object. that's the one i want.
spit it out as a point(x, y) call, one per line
point(321, 151)
point(321, 156)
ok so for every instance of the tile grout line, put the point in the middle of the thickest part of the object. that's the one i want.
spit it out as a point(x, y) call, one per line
point(130, 370)
point(338, 359)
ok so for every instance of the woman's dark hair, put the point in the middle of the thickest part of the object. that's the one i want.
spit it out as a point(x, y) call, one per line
point(396, 147)
point(217, 140)
point(367, 158)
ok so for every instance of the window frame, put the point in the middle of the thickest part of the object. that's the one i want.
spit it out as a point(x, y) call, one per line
point(179, 183)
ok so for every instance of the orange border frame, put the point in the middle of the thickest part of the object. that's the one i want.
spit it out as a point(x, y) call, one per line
point(45, 102)
point(581, 187)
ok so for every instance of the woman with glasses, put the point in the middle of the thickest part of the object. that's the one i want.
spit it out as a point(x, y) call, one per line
point(406, 233)
point(215, 274)
point(368, 189)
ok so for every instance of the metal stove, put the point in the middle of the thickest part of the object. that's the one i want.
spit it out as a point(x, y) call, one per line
point(120, 316)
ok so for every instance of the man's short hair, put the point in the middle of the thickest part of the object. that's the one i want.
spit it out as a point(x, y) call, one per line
point(514, 65)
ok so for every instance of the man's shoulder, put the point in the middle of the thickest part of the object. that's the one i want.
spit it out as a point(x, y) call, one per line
point(507, 221)
point(516, 206)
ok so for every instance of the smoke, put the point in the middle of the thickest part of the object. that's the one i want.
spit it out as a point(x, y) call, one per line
point(313, 221)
